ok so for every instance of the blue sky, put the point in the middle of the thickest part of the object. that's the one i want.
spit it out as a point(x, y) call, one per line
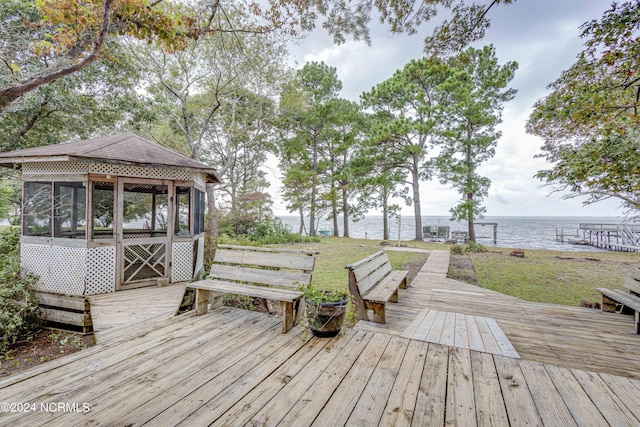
point(542, 36)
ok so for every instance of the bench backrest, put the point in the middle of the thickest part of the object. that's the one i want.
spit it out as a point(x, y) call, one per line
point(284, 268)
point(632, 281)
point(368, 272)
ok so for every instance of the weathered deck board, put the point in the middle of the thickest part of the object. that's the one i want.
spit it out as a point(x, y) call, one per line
point(233, 367)
point(119, 313)
point(460, 330)
point(574, 337)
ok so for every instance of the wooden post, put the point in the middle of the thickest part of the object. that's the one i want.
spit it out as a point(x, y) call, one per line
point(287, 316)
point(353, 288)
point(202, 301)
point(378, 312)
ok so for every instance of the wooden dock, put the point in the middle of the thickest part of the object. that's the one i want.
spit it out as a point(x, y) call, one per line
point(233, 367)
point(613, 237)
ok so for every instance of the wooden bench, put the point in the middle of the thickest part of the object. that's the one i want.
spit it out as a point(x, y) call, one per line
point(627, 301)
point(273, 274)
point(373, 283)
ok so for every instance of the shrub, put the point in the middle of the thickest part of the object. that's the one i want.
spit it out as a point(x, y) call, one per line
point(18, 304)
point(269, 231)
point(457, 249)
point(475, 247)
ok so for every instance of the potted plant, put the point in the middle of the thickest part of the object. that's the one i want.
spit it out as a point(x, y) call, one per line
point(325, 310)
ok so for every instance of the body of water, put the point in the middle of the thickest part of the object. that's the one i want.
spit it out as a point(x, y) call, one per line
point(512, 232)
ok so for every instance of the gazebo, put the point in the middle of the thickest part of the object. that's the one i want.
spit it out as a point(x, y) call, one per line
point(110, 213)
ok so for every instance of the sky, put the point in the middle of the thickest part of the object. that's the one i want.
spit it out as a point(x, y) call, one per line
point(542, 36)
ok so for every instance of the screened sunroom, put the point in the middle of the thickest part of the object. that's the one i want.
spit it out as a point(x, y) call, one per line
point(110, 213)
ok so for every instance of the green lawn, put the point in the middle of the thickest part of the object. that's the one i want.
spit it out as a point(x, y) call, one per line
point(549, 276)
point(336, 252)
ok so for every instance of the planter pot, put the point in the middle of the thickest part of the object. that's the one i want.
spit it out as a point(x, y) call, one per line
point(326, 318)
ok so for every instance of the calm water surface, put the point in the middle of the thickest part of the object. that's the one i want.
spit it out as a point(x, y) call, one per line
point(513, 232)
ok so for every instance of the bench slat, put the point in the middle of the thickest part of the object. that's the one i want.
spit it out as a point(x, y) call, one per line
point(622, 297)
point(386, 289)
point(632, 283)
point(289, 279)
point(371, 280)
point(265, 259)
point(363, 261)
point(223, 287)
point(375, 262)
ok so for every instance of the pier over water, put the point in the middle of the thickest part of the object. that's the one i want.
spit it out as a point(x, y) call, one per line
point(615, 237)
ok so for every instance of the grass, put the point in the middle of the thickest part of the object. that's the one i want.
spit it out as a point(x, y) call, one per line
point(336, 252)
point(552, 276)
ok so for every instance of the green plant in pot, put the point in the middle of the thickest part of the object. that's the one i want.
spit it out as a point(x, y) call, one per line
point(325, 310)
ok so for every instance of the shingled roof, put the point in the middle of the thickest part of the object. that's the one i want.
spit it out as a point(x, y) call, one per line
point(125, 148)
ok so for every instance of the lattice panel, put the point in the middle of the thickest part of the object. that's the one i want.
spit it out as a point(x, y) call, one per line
point(144, 261)
point(61, 269)
point(56, 167)
point(137, 171)
point(182, 266)
point(101, 270)
point(200, 256)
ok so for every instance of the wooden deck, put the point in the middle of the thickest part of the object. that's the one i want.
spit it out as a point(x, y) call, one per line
point(117, 313)
point(573, 337)
point(234, 367)
point(477, 333)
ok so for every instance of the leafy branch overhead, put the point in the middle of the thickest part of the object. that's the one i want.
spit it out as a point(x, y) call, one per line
point(589, 121)
point(45, 40)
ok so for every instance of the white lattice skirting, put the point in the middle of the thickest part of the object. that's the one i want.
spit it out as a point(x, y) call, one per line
point(182, 267)
point(61, 270)
point(73, 271)
point(101, 270)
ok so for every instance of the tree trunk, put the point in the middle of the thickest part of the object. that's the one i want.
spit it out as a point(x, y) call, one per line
point(211, 234)
point(385, 220)
point(416, 199)
point(345, 213)
point(302, 228)
point(472, 231)
point(312, 210)
point(334, 213)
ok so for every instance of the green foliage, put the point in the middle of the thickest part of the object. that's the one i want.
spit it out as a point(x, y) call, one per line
point(269, 231)
point(408, 108)
point(10, 193)
point(474, 247)
point(589, 122)
point(477, 88)
point(310, 116)
point(457, 249)
point(18, 305)
point(318, 296)
point(239, 301)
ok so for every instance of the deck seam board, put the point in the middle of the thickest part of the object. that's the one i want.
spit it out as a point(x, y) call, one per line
point(460, 330)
